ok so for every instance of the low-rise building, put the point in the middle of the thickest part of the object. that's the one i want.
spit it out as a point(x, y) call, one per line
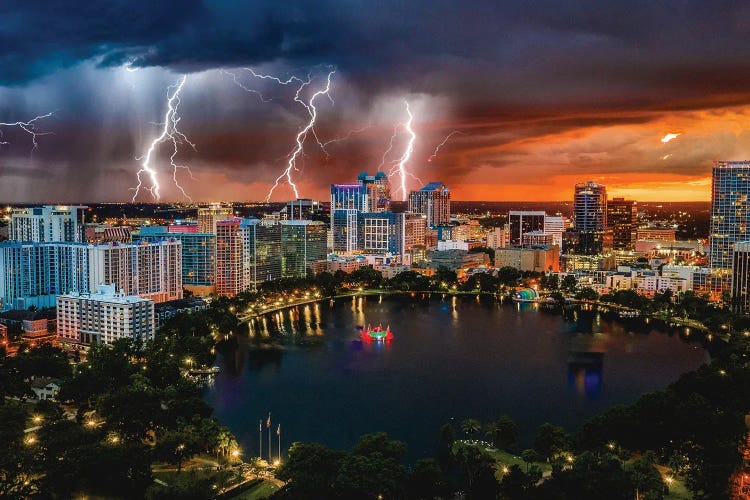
point(542, 258)
point(45, 388)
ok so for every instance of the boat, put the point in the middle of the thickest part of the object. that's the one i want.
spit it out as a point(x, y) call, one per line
point(377, 334)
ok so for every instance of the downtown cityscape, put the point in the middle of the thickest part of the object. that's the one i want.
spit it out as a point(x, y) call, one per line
point(256, 251)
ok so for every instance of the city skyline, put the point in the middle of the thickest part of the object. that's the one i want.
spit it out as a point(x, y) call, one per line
point(499, 100)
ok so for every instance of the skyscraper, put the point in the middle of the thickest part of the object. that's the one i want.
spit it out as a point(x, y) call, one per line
point(48, 223)
point(590, 235)
point(378, 189)
point(741, 276)
point(522, 222)
point(229, 270)
point(198, 256)
point(433, 201)
point(379, 233)
point(622, 218)
point(730, 214)
point(344, 228)
point(302, 243)
point(210, 215)
point(590, 206)
point(261, 251)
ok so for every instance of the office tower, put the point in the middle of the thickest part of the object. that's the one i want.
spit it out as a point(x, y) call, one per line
point(590, 235)
point(555, 225)
point(740, 286)
point(344, 226)
point(379, 232)
point(46, 224)
point(433, 201)
point(524, 221)
point(229, 269)
point(301, 208)
point(198, 256)
point(210, 215)
point(104, 316)
point(302, 243)
point(622, 218)
point(152, 270)
point(590, 206)
point(730, 214)
point(261, 251)
point(412, 230)
point(378, 190)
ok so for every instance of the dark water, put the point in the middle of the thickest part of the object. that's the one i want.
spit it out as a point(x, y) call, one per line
point(450, 359)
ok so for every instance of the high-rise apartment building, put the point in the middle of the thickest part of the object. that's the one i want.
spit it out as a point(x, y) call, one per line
point(412, 230)
point(302, 243)
point(555, 225)
point(229, 266)
point(151, 270)
point(522, 222)
point(104, 317)
point(379, 233)
point(622, 217)
point(198, 255)
point(730, 215)
point(344, 228)
point(34, 274)
point(261, 251)
point(433, 201)
point(210, 215)
point(48, 223)
point(378, 190)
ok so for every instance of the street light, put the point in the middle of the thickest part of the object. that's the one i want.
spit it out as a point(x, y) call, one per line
point(235, 453)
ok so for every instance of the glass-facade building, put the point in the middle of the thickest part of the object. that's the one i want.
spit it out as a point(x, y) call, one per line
point(730, 213)
point(198, 254)
point(261, 250)
point(302, 243)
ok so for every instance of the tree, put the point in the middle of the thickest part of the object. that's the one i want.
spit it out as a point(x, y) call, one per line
point(427, 481)
point(379, 443)
point(587, 293)
point(508, 276)
point(310, 470)
point(516, 484)
point(529, 456)
point(471, 426)
point(551, 440)
point(477, 470)
point(568, 283)
point(503, 433)
point(645, 479)
point(369, 476)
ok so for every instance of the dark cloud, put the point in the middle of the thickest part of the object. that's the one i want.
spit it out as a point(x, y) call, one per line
point(506, 73)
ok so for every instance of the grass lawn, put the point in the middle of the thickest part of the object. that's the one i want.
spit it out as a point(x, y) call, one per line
point(678, 491)
point(263, 490)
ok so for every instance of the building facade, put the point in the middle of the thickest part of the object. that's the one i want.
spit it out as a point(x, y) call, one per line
point(49, 223)
point(622, 217)
point(434, 202)
point(104, 317)
point(730, 215)
point(302, 243)
point(261, 251)
point(210, 215)
point(229, 266)
point(521, 222)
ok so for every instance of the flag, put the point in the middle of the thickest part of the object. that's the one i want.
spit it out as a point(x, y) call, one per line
point(260, 425)
point(278, 430)
point(268, 422)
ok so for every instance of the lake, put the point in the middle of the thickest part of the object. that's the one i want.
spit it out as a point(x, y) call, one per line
point(451, 358)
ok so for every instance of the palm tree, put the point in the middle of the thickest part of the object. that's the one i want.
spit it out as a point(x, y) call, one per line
point(492, 431)
point(471, 426)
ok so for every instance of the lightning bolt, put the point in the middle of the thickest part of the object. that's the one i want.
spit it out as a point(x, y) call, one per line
point(400, 168)
point(170, 133)
point(437, 148)
point(29, 127)
point(308, 129)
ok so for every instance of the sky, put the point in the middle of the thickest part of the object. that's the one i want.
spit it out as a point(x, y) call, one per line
point(531, 96)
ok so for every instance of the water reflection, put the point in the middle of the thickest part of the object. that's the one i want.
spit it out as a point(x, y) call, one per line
point(450, 357)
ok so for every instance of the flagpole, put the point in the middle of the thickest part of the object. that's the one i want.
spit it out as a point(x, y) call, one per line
point(278, 432)
point(260, 438)
point(268, 425)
